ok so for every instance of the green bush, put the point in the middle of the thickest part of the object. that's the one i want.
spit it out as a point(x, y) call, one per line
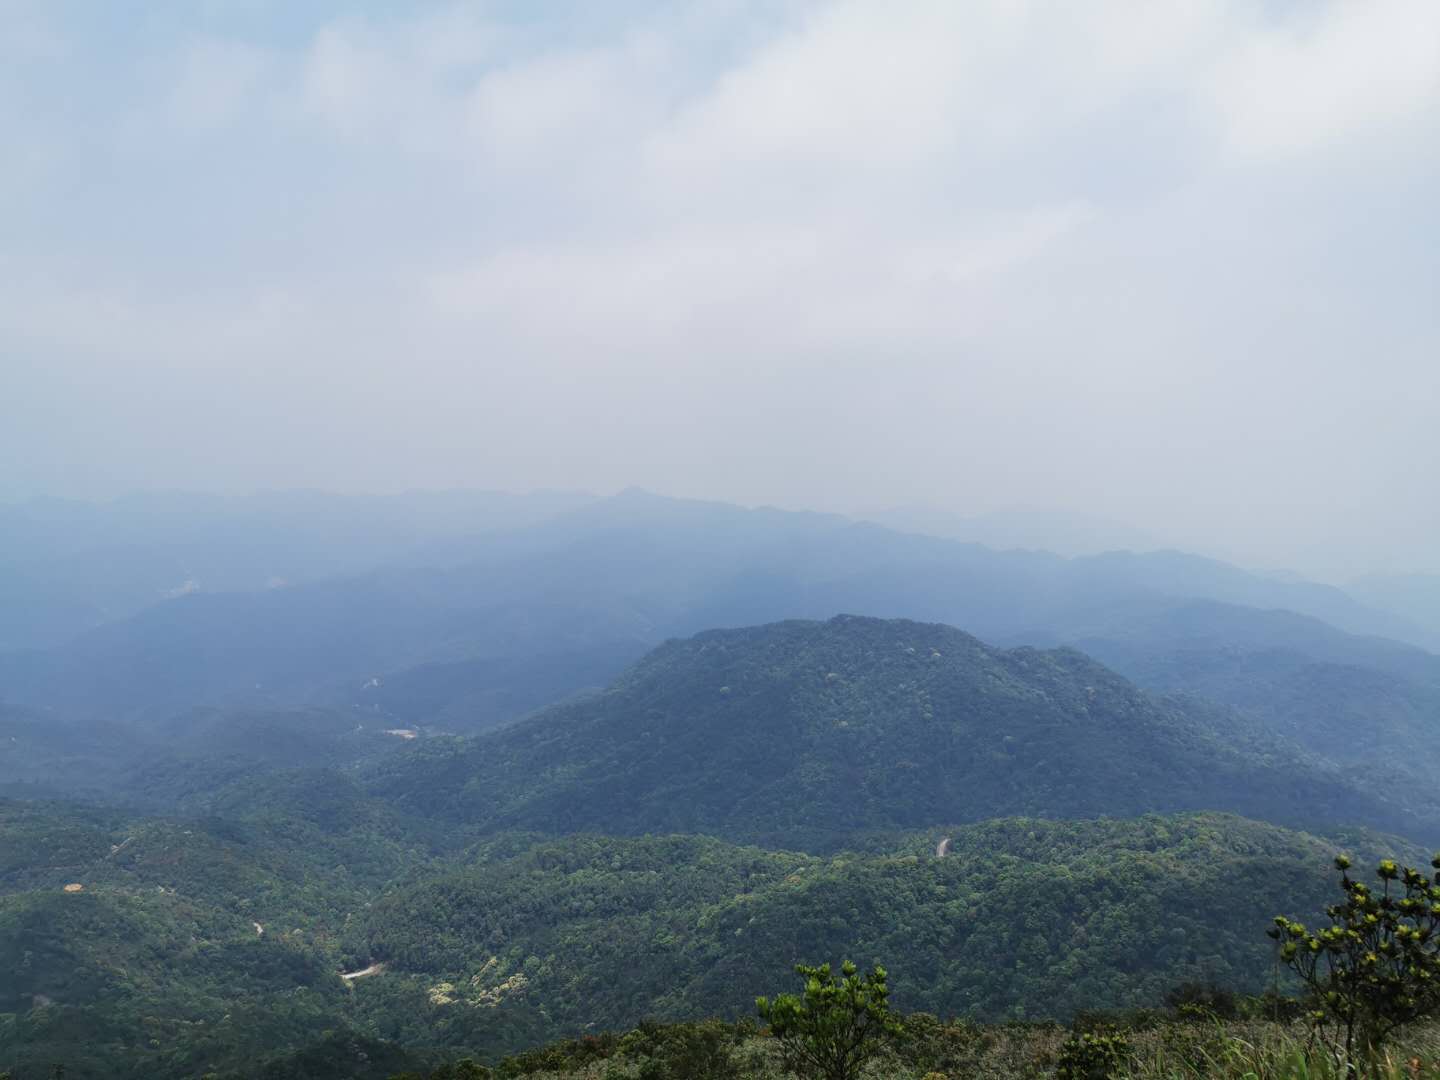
point(1376, 967)
point(928, 1045)
point(1204, 1000)
point(693, 1051)
point(1093, 1055)
point(830, 1031)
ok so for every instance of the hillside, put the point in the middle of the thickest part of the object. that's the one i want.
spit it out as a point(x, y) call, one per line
point(145, 947)
point(175, 759)
point(602, 932)
point(1365, 703)
point(218, 944)
point(803, 735)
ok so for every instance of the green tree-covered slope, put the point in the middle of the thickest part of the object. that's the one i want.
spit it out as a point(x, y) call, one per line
point(1023, 917)
point(801, 735)
point(196, 947)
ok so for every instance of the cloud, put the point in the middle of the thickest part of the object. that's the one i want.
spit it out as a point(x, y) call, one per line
point(1166, 262)
point(1350, 71)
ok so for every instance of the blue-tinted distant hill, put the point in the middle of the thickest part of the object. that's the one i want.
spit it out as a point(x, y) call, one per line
point(1107, 551)
point(67, 567)
point(535, 614)
point(1061, 531)
point(1413, 597)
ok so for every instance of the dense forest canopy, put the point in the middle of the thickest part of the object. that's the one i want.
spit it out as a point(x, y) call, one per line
point(802, 734)
point(194, 946)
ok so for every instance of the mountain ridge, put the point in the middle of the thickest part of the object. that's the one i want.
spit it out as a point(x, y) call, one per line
point(802, 733)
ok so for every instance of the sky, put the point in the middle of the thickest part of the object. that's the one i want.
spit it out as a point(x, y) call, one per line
point(1172, 264)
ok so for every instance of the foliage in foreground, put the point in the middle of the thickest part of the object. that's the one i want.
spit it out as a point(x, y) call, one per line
point(835, 1026)
point(1134, 1046)
point(1376, 967)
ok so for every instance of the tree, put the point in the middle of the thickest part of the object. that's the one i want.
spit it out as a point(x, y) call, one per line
point(830, 1031)
point(1376, 966)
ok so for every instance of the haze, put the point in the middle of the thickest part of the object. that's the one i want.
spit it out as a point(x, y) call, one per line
point(1171, 264)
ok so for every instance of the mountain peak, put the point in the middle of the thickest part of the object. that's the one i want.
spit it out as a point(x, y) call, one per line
point(802, 734)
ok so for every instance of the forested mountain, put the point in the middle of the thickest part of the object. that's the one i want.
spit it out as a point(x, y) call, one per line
point(471, 894)
point(540, 612)
point(803, 735)
point(1359, 702)
point(218, 944)
point(285, 804)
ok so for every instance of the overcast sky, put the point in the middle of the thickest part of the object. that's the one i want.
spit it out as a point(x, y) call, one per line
point(1173, 263)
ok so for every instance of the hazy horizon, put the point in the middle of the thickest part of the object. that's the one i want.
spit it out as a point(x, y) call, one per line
point(1069, 534)
point(1168, 266)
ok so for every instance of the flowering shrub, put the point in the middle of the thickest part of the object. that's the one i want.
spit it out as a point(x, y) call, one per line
point(1376, 967)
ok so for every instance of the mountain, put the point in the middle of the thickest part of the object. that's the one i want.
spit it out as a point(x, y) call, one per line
point(1365, 703)
point(1107, 551)
point(66, 567)
point(537, 614)
point(1063, 532)
point(637, 567)
point(399, 900)
point(643, 815)
point(1179, 574)
point(804, 735)
point(1414, 597)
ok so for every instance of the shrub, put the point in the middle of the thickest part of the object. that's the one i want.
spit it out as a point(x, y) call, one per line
point(927, 1044)
point(1376, 967)
point(830, 1031)
point(700, 1050)
point(1093, 1055)
point(1203, 1000)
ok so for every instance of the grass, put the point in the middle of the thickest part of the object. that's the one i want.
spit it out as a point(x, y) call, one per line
point(1266, 1051)
point(1160, 1049)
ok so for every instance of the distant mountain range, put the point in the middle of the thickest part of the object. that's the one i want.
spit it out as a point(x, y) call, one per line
point(67, 567)
point(1062, 532)
point(1414, 597)
point(518, 617)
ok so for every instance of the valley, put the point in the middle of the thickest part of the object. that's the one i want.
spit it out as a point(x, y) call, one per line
point(582, 781)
